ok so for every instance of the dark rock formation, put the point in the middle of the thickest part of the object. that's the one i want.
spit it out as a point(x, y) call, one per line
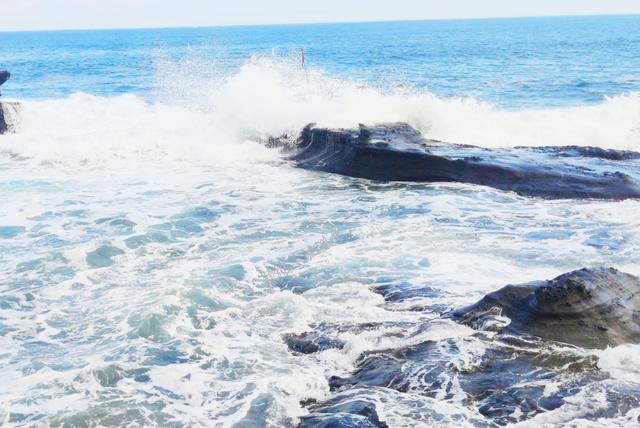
point(408, 297)
point(311, 342)
point(506, 385)
point(325, 336)
point(4, 76)
point(347, 410)
point(592, 308)
point(3, 123)
point(504, 377)
point(397, 152)
point(8, 115)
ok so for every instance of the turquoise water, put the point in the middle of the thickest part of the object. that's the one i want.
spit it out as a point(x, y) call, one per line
point(153, 253)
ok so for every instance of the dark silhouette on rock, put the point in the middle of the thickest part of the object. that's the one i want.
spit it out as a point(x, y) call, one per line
point(397, 152)
point(591, 308)
point(347, 410)
point(4, 76)
point(3, 123)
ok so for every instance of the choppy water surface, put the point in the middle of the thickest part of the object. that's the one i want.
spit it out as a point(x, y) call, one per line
point(154, 255)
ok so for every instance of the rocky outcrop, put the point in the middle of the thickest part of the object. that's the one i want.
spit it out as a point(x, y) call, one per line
point(502, 370)
point(4, 76)
point(591, 308)
point(3, 123)
point(397, 152)
point(4, 127)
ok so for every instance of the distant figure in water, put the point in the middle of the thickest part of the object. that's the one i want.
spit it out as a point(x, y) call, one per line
point(4, 76)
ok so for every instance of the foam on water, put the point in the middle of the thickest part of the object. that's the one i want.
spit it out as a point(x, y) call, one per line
point(271, 96)
point(153, 254)
point(622, 362)
point(274, 96)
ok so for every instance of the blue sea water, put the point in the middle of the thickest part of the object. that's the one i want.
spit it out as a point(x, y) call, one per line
point(154, 254)
point(524, 62)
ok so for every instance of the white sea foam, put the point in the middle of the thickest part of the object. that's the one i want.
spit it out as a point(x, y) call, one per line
point(272, 96)
point(156, 243)
point(196, 114)
point(621, 362)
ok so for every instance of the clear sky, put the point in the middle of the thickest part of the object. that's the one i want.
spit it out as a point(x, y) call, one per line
point(72, 14)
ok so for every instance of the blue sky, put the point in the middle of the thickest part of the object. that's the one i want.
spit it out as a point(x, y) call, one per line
point(69, 14)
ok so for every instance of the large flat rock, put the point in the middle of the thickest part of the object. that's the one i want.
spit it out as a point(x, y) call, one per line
point(592, 308)
point(398, 152)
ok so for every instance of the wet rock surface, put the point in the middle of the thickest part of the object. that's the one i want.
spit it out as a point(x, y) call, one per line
point(523, 358)
point(4, 76)
point(504, 389)
point(4, 126)
point(3, 122)
point(346, 410)
point(591, 308)
point(398, 152)
point(404, 296)
point(311, 342)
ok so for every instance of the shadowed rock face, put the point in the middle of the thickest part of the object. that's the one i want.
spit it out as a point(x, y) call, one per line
point(592, 308)
point(343, 412)
point(397, 152)
point(504, 378)
point(3, 123)
point(4, 76)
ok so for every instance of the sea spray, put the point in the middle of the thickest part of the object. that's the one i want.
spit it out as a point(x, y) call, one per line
point(270, 97)
point(154, 256)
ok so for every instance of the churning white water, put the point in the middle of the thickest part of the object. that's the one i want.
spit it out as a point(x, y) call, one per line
point(154, 253)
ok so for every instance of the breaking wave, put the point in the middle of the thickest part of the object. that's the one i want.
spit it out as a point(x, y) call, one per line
point(157, 290)
point(196, 113)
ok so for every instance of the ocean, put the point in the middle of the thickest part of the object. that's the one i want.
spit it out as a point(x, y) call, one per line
point(155, 255)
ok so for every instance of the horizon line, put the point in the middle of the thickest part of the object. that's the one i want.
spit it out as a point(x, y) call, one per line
point(284, 24)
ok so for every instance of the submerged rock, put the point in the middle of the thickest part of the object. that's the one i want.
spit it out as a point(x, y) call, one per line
point(591, 308)
point(408, 297)
point(506, 383)
point(346, 410)
point(398, 152)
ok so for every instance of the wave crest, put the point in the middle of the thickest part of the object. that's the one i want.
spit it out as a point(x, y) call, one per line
point(197, 109)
